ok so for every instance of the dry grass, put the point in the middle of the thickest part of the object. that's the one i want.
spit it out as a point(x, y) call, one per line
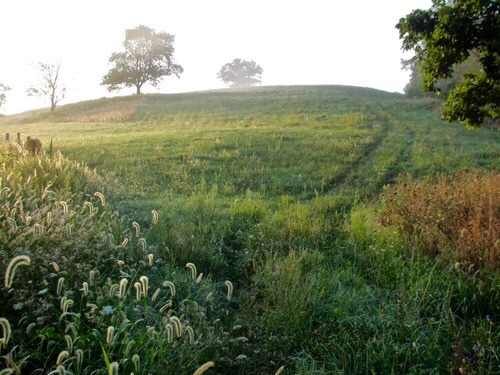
point(455, 216)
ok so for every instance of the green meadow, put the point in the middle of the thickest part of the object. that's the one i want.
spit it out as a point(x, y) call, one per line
point(358, 230)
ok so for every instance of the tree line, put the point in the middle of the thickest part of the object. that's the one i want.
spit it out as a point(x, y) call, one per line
point(147, 57)
point(456, 45)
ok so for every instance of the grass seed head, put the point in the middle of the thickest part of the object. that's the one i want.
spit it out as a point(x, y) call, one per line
point(137, 228)
point(145, 285)
point(170, 285)
point(100, 196)
point(154, 217)
point(6, 332)
point(10, 272)
point(203, 368)
point(62, 357)
point(192, 267)
point(229, 285)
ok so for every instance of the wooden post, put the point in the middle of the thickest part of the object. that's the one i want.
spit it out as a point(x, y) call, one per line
point(7, 137)
point(19, 138)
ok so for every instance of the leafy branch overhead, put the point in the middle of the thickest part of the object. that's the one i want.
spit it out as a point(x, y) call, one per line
point(446, 35)
point(147, 58)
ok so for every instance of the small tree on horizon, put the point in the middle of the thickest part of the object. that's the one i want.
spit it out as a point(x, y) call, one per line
point(49, 85)
point(240, 73)
point(147, 58)
point(3, 96)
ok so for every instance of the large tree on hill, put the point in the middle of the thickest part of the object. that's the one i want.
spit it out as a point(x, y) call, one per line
point(49, 85)
point(240, 73)
point(3, 96)
point(443, 37)
point(147, 58)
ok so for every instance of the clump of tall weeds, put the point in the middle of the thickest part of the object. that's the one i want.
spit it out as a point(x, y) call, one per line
point(454, 216)
point(83, 292)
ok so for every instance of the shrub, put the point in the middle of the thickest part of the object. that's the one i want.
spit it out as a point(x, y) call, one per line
point(455, 216)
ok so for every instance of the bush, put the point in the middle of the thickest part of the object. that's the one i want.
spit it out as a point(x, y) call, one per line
point(455, 216)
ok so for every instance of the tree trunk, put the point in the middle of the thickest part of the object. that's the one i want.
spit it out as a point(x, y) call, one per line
point(138, 89)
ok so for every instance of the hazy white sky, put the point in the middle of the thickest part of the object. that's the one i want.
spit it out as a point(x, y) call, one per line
point(295, 42)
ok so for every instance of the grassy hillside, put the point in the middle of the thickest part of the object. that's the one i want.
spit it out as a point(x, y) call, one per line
point(278, 140)
point(281, 191)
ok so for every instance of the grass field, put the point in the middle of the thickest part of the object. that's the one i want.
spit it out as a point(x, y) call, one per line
point(279, 190)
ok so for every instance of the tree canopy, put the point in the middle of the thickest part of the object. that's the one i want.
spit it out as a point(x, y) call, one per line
point(240, 73)
point(147, 58)
point(49, 85)
point(446, 35)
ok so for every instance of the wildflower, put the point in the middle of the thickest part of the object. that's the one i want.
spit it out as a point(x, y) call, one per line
point(475, 347)
point(107, 310)
point(18, 306)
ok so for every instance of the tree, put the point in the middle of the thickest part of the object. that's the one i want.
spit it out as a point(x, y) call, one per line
point(49, 85)
point(3, 96)
point(446, 35)
point(414, 87)
point(240, 73)
point(147, 58)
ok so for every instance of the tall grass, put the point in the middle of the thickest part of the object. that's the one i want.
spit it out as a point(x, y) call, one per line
point(83, 291)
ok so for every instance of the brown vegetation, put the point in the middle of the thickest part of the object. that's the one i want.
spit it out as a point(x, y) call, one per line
point(34, 146)
point(455, 216)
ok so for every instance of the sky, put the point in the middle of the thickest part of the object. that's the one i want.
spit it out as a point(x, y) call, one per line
point(308, 42)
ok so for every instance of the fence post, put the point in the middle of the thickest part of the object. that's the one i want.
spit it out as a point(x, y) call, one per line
point(7, 137)
point(19, 138)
